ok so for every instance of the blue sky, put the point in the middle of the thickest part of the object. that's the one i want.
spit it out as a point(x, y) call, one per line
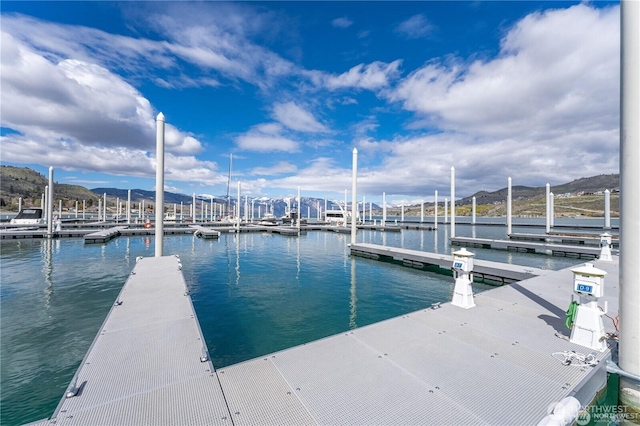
point(522, 89)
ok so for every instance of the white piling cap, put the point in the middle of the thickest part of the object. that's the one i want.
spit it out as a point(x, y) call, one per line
point(463, 252)
point(589, 269)
point(160, 117)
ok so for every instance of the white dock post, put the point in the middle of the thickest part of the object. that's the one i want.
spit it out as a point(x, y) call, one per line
point(473, 210)
point(509, 206)
point(246, 207)
point(384, 210)
point(325, 206)
point(354, 195)
point(104, 207)
point(364, 209)
point(607, 209)
point(370, 211)
point(435, 211)
point(453, 202)
point(629, 343)
point(463, 273)
point(159, 184)
point(193, 208)
point(552, 209)
point(238, 208)
point(346, 216)
point(547, 208)
point(59, 209)
point(20, 205)
point(446, 210)
point(43, 206)
point(76, 209)
point(252, 209)
point(402, 211)
point(118, 206)
point(99, 209)
point(129, 206)
point(421, 211)
point(50, 204)
point(299, 209)
point(84, 208)
point(181, 214)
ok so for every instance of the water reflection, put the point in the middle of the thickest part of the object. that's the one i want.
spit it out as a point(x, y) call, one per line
point(47, 248)
point(353, 309)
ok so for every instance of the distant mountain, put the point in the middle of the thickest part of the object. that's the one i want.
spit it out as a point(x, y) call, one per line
point(24, 182)
point(137, 195)
point(16, 182)
point(583, 185)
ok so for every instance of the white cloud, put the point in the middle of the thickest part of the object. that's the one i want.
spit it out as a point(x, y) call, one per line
point(373, 76)
point(415, 27)
point(255, 140)
point(547, 105)
point(79, 115)
point(342, 22)
point(282, 167)
point(297, 118)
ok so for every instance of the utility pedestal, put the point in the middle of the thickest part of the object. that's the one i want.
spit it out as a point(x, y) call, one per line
point(605, 247)
point(462, 272)
point(588, 328)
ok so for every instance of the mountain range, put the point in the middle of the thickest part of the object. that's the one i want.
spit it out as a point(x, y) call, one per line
point(24, 182)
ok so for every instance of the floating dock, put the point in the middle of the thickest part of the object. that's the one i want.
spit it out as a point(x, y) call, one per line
point(104, 235)
point(205, 233)
point(496, 363)
point(148, 364)
point(559, 238)
point(529, 247)
point(423, 260)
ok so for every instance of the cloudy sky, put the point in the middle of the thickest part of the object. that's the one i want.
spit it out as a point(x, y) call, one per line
point(522, 89)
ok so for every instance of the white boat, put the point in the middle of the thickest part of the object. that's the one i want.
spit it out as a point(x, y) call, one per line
point(337, 216)
point(268, 220)
point(230, 219)
point(170, 217)
point(30, 216)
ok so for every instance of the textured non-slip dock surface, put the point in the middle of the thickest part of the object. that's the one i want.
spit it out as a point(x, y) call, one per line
point(416, 258)
point(556, 249)
point(491, 364)
point(144, 366)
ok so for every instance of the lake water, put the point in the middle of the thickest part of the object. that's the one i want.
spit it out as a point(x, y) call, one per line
point(253, 293)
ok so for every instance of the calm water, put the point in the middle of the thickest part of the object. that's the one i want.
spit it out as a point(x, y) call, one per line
point(253, 293)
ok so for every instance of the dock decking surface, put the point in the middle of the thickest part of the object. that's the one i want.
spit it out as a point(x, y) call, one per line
point(144, 365)
point(491, 364)
point(417, 258)
point(544, 248)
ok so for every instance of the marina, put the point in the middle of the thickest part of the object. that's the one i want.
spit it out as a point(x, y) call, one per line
point(375, 374)
point(245, 310)
point(209, 318)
